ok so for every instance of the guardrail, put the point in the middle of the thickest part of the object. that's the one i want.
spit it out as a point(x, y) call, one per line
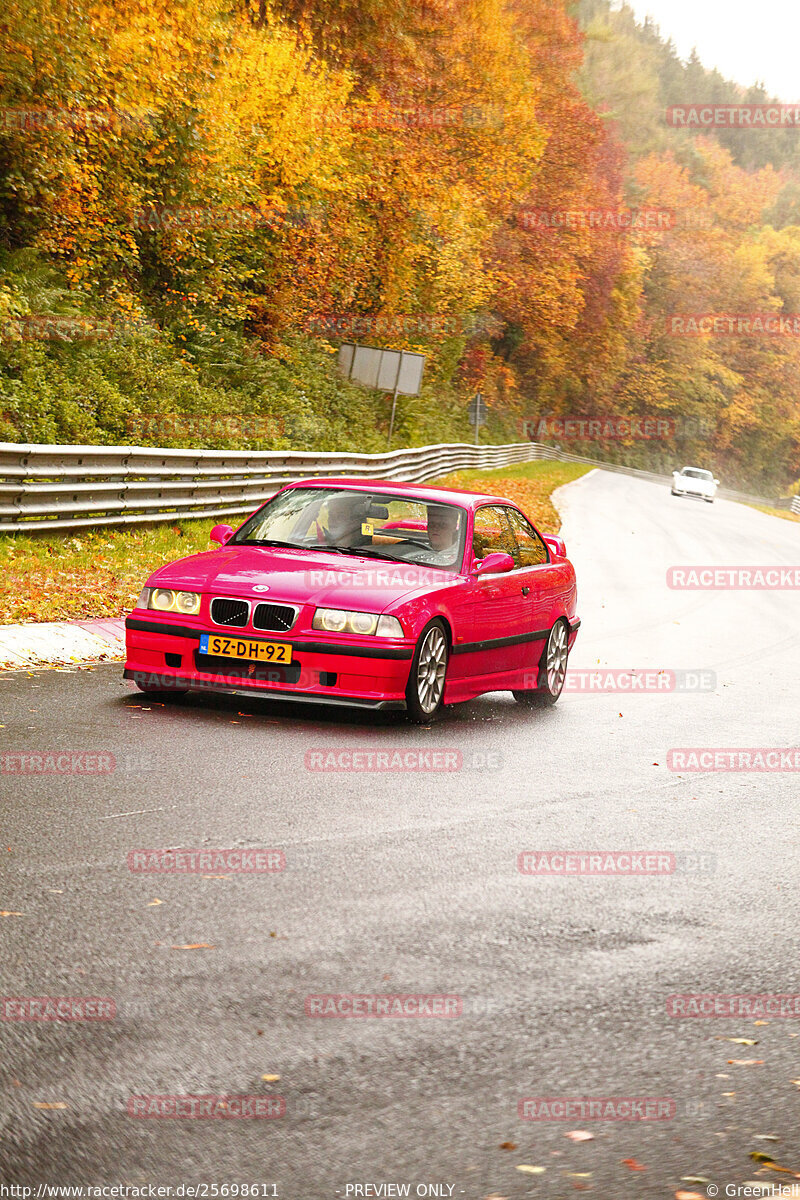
point(75, 487)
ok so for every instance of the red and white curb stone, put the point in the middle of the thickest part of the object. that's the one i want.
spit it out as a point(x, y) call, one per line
point(41, 643)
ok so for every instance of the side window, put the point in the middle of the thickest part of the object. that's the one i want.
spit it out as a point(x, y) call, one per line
point(491, 533)
point(530, 547)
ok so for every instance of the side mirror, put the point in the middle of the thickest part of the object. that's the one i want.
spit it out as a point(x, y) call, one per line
point(221, 534)
point(716, 481)
point(494, 564)
point(557, 545)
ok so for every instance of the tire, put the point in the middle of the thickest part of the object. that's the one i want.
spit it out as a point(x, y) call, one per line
point(428, 674)
point(709, 499)
point(552, 670)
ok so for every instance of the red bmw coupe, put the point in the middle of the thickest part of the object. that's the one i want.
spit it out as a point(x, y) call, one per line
point(366, 593)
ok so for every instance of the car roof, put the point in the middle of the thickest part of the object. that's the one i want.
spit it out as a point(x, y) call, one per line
point(419, 491)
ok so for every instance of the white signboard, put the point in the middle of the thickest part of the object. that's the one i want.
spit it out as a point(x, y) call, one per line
point(398, 371)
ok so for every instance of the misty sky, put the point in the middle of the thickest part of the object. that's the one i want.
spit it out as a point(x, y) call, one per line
point(746, 42)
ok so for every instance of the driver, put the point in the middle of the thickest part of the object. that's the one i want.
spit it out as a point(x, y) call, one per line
point(347, 511)
point(443, 530)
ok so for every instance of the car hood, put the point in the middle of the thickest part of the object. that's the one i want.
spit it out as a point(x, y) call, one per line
point(299, 577)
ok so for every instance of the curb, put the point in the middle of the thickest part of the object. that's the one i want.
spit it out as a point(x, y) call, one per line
point(61, 642)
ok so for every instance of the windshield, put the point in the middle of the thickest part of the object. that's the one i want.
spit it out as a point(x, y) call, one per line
point(696, 473)
point(371, 524)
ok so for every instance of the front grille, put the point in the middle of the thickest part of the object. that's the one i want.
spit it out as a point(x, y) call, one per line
point(278, 617)
point(229, 612)
point(211, 664)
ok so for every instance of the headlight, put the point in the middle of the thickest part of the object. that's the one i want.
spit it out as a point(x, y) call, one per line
point(165, 600)
point(337, 620)
point(188, 602)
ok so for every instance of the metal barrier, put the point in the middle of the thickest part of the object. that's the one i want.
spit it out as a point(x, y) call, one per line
point(75, 487)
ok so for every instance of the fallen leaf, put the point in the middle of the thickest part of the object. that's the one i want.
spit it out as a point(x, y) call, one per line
point(746, 1062)
point(694, 1179)
point(508, 1145)
point(44, 1104)
point(528, 1170)
point(495, 1196)
point(153, 903)
point(215, 876)
point(578, 1174)
point(632, 1164)
point(761, 1022)
point(579, 1135)
point(738, 1041)
point(757, 1156)
point(270, 1078)
point(773, 1166)
point(4, 913)
point(194, 946)
point(766, 1137)
point(689, 1196)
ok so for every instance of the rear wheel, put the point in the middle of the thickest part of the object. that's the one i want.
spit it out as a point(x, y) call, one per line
point(552, 670)
point(426, 679)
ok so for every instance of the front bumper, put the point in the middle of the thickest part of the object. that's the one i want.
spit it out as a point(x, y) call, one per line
point(164, 655)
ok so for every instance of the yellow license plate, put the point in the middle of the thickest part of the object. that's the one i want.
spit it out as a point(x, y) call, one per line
point(220, 646)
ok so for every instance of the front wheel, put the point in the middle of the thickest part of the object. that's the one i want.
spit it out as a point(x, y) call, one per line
point(552, 670)
point(426, 679)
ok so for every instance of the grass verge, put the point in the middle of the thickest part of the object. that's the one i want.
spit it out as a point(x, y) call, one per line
point(100, 573)
point(776, 512)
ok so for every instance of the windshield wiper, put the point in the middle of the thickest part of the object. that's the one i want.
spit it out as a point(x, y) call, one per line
point(268, 542)
point(362, 551)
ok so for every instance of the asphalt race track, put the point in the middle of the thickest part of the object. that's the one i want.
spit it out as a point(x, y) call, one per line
point(407, 883)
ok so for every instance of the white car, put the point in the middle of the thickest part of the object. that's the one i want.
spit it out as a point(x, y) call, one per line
point(693, 481)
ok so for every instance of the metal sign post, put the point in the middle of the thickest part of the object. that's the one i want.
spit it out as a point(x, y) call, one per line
point(477, 412)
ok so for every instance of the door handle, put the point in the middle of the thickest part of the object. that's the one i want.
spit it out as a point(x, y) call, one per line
point(525, 591)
